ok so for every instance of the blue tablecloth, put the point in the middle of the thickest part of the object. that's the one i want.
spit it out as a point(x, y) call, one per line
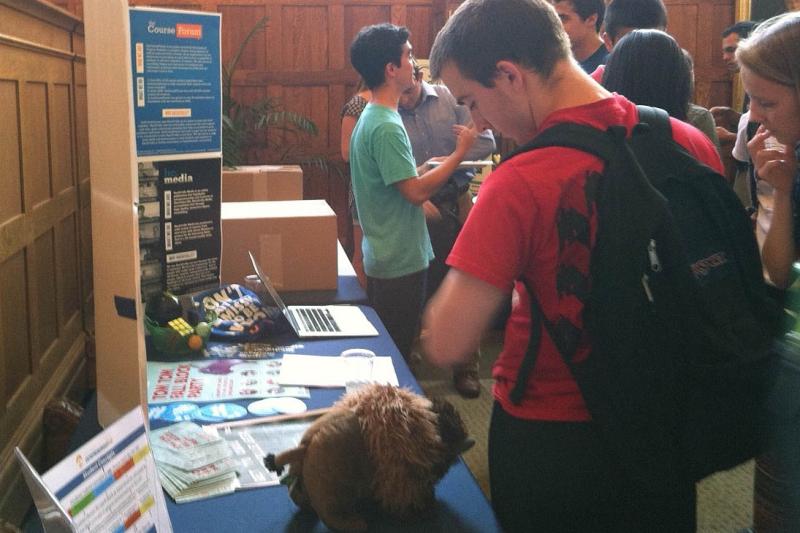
point(461, 505)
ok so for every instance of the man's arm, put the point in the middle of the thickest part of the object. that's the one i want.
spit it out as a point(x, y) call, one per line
point(417, 190)
point(458, 316)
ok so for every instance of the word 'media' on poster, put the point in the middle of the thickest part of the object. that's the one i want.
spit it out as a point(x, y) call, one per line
point(179, 226)
point(176, 81)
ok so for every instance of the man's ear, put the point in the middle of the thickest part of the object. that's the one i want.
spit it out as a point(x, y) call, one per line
point(388, 70)
point(607, 40)
point(509, 71)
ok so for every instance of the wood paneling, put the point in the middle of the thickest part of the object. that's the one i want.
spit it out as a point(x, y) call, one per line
point(697, 26)
point(43, 156)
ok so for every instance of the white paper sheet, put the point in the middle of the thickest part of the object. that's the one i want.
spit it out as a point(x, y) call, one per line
point(326, 371)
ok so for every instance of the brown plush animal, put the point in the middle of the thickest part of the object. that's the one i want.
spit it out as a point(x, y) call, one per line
point(379, 446)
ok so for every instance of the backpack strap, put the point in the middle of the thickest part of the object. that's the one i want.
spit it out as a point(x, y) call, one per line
point(636, 193)
point(586, 139)
point(538, 319)
point(570, 135)
point(657, 119)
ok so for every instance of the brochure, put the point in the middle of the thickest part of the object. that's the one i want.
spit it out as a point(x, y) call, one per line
point(111, 483)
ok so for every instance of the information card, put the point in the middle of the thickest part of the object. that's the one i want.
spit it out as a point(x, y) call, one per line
point(111, 483)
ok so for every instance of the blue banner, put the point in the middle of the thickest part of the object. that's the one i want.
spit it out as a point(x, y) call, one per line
point(177, 93)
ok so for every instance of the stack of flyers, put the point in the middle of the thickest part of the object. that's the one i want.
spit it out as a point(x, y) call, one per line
point(193, 464)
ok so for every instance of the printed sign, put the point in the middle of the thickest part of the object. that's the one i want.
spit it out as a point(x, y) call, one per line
point(214, 380)
point(177, 96)
point(179, 227)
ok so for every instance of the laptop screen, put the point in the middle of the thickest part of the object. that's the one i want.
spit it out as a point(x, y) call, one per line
point(267, 283)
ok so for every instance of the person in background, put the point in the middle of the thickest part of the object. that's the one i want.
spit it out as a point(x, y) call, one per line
point(429, 113)
point(649, 67)
point(730, 41)
point(732, 124)
point(696, 115)
point(351, 110)
point(624, 16)
point(387, 190)
point(582, 20)
point(510, 63)
point(770, 68)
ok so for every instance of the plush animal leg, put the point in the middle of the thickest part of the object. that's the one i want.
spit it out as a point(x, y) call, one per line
point(337, 472)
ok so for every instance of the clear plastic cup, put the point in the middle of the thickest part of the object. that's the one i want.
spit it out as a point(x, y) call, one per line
point(358, 364)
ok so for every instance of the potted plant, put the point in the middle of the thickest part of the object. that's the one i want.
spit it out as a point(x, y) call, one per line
point(245, 125)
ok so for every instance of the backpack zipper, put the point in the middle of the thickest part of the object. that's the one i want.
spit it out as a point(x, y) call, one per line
point(646, 285)
point(655, 266)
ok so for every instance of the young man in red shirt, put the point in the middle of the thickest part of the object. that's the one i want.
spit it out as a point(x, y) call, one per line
point(549, 472)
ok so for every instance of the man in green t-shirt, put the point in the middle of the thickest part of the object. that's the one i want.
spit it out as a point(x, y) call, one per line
point(387, 189)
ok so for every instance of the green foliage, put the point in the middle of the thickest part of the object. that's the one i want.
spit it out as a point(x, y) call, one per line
point(245, 125)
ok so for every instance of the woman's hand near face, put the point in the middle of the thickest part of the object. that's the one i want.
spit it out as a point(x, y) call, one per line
point(776, 164)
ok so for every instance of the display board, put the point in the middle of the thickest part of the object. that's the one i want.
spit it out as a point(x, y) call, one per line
point(154, 104)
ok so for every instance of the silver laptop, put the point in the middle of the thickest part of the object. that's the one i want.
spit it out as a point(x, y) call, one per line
point(319, 320)
point(54, 518)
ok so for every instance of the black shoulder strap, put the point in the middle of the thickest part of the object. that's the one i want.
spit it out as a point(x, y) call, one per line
point(538, 319)
point(657, 119)
point(570, 135)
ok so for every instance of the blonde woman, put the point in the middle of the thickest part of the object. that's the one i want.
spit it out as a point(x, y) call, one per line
point(770, 70)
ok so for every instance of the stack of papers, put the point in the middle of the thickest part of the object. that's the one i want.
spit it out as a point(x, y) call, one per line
point(193, 464)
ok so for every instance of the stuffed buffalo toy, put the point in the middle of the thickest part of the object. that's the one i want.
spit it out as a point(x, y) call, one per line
point(378, 448)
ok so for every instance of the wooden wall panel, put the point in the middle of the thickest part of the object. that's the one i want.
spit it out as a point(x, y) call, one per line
point(66, 269)
point(11, 190)
point(419, 20)
point(36, 156)
point(237, 21)
point(305, 38)
point(42, 288)
point(14, 322)
point(60, 136)
point(42, 319)
point(697, 26)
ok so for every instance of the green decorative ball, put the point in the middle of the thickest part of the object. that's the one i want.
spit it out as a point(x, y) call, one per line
point(203, 329)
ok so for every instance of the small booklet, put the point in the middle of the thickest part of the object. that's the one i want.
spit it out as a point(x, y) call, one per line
point(193, 464)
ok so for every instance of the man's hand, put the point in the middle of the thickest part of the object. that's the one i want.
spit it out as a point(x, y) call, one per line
point(725, 117)
point(432, 213)
point(725, 137)
point(466, 136)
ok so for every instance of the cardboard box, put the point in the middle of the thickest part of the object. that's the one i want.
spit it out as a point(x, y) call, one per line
point(262, 182)
point(293, 241)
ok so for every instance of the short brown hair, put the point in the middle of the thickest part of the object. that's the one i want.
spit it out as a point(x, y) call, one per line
point(524, 31)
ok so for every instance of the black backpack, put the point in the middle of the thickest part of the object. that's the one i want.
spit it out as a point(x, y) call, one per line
point(680, 319)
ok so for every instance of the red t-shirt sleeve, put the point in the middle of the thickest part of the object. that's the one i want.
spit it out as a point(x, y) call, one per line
point(697, 144)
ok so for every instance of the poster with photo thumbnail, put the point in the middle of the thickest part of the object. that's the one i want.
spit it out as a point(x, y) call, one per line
point(179, 225)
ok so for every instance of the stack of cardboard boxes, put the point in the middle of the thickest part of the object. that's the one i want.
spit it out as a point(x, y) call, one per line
point(294, 240)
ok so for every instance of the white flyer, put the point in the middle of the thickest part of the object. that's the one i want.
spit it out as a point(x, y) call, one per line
point(111, 483)
point(326, 371)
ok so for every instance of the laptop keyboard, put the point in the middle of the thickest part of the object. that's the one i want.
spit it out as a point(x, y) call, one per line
point(317, 320)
